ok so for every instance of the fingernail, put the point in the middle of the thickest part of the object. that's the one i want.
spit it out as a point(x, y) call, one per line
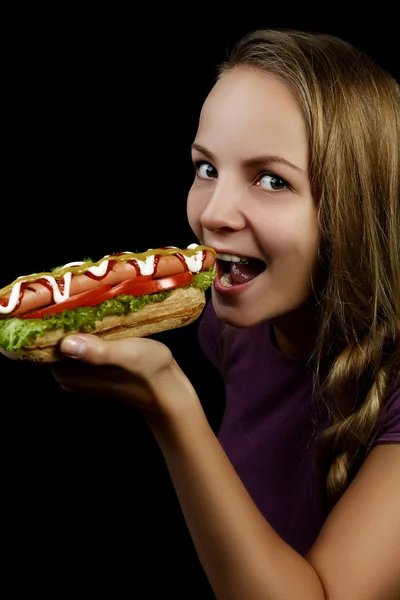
point(74, 347)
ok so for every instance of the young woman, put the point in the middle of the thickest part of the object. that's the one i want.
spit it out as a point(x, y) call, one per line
point(297, 187)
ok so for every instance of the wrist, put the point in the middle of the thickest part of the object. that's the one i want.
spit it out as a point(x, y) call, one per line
point(178, 405)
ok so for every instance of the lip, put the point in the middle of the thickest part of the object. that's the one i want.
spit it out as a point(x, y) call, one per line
point(234, 290)
point(229, 251)
point(237, 288)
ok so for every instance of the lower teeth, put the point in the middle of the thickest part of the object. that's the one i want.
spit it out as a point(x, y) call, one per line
point(226, 280)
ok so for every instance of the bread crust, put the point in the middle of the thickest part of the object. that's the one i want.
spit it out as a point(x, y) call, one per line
point(181, 308)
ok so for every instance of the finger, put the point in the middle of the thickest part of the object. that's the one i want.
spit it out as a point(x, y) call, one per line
point(139, 352)
point(86, 347)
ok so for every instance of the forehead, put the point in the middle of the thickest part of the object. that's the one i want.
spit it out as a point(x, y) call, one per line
point(254, 113)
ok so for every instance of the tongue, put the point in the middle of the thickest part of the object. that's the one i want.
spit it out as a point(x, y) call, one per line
point(243, 272)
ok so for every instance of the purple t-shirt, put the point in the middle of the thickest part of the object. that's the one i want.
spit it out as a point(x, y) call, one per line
point(270, 424)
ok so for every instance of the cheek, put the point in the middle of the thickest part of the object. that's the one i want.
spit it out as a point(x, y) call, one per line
point(295, 234)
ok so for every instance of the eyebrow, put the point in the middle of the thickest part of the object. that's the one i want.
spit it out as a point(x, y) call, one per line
point(259, 160)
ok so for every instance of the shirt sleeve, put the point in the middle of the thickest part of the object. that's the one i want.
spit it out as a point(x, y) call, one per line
point(389, 431)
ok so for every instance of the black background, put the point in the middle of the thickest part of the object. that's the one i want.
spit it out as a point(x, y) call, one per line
point(100, 110)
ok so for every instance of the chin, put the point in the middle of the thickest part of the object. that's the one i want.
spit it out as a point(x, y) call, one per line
point(239, 317)
point(233, 313)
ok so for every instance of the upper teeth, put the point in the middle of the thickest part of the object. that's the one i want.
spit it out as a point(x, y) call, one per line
point(231, 257)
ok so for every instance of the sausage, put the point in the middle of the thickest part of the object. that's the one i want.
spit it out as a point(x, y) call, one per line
point(36, 294)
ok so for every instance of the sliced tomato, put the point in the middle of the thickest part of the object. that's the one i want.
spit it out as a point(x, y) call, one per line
point(136, 286)
point(132, 287)
point(89, 298)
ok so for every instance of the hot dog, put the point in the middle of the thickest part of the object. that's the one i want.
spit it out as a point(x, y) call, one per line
point(121, 295)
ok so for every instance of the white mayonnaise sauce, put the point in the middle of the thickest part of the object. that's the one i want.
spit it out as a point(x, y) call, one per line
point(146, 267)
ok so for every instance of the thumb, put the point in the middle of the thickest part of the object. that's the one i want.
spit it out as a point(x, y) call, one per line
point(144, 353)
point(92, 349)
point(77, 346)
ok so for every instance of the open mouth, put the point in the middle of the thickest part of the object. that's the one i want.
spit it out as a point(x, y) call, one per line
point(236, 270)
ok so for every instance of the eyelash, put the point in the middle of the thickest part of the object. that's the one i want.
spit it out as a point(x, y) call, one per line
point(199, 163)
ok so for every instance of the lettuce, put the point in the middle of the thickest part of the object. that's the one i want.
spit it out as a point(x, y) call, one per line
point(16, 333)
point(204, 279)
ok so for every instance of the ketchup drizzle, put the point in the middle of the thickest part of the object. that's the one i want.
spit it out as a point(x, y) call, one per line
point(135, 264)
point(110, 265)
point(156, 261)
point(61, 282)
point(25, 285)
point(183, 261)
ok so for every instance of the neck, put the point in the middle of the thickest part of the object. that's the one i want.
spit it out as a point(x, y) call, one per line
point(295, 333)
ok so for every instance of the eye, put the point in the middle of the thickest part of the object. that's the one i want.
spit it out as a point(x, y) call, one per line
point(272, 183)
point(205, 170)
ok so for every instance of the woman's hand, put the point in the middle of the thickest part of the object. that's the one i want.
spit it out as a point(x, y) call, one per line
point(139, 371)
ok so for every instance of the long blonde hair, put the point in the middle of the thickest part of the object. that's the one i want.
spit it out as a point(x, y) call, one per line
point(352, 110)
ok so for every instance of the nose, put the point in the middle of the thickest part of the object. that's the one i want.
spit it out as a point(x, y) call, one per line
point(225, 208)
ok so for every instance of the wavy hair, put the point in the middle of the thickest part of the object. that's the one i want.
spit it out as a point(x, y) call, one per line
point(351, 107)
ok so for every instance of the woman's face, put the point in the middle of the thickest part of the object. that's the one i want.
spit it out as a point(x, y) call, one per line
point(251, 197)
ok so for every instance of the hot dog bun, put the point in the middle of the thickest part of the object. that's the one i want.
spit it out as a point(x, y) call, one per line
point(181, 308)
